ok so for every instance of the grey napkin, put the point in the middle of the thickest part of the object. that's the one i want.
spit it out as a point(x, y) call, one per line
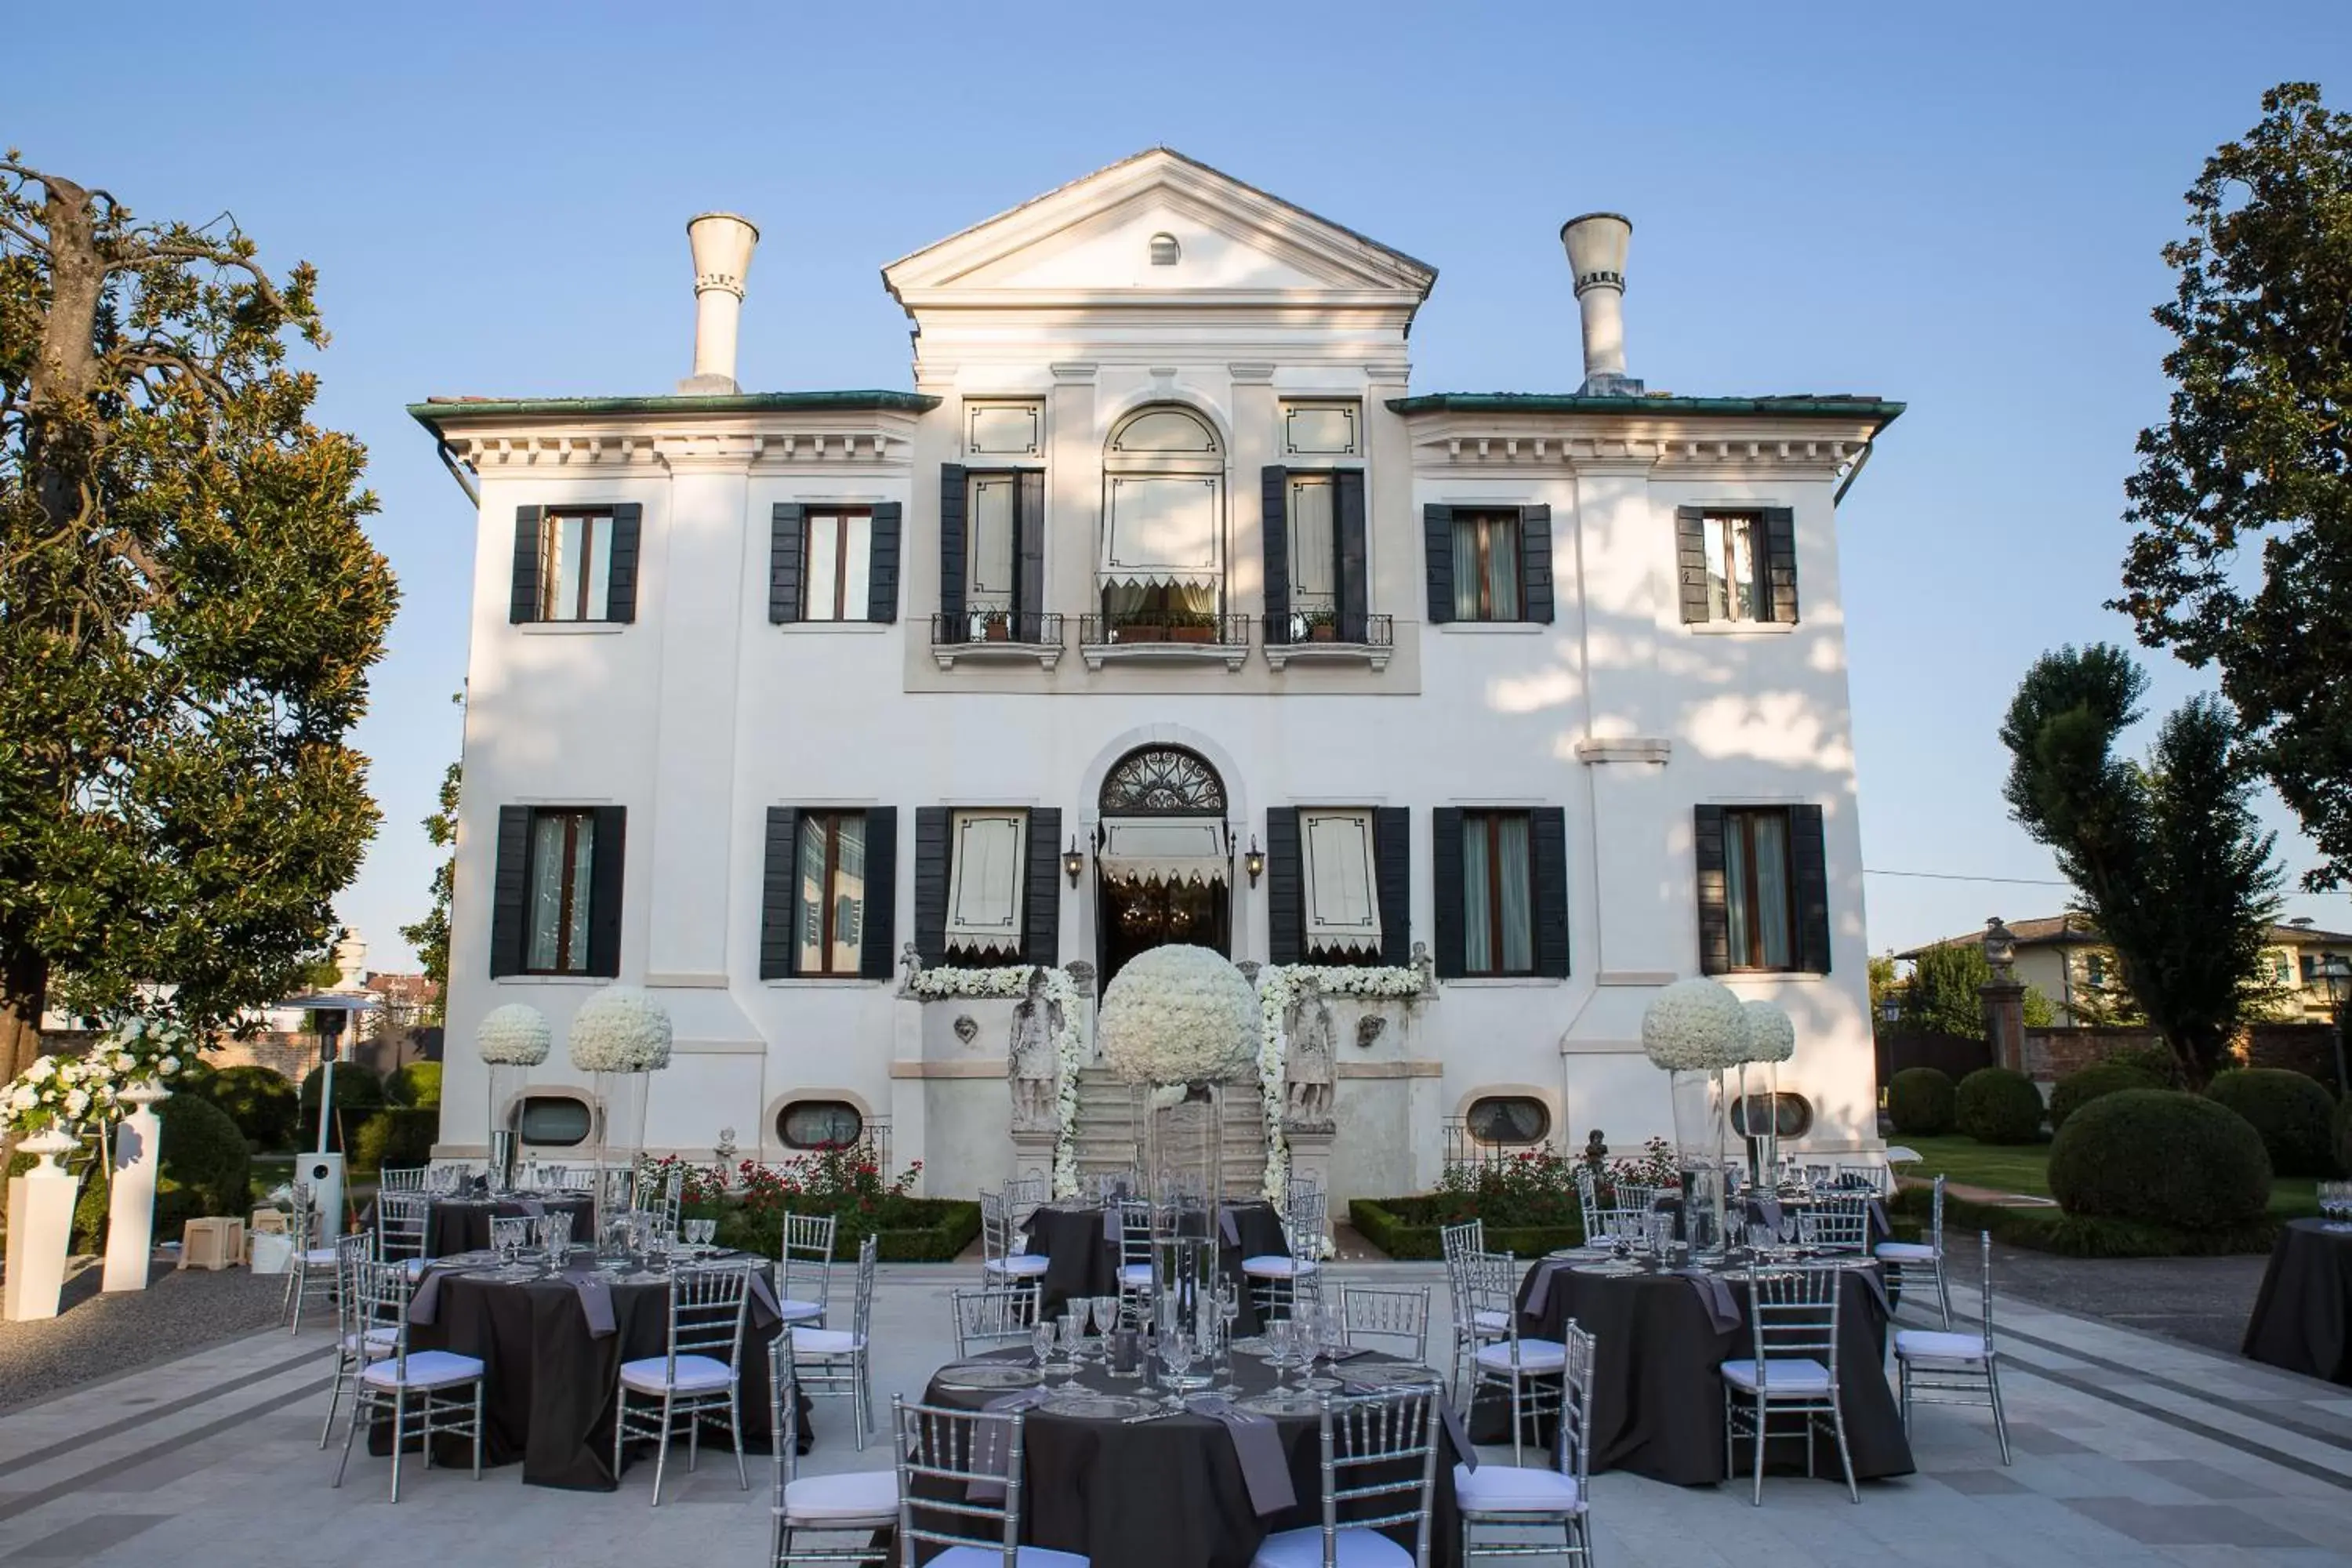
point(1111, 1224)
point(596, 1299)
point(762, 1292)
point(532, 1209)
point(1871, 1278)
point(1257, 1444)
point(991, 1449)
point(1539, 1292)
point(1877, 1219)
point(1722, 1310)
point(1230, 1228)
point(1765, 1211)
point(425, 1300)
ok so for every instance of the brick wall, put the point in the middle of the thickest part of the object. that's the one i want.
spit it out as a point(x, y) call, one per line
point(2053, 1054)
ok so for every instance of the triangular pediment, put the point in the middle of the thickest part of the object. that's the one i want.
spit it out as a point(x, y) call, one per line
point(1092, 240)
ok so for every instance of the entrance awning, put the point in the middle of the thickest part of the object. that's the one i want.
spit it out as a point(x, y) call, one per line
point(1161, 849)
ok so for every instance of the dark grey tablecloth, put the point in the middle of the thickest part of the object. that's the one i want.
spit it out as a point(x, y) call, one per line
point(1080, 1262)
point(453, 1226)
point(2302, 1317)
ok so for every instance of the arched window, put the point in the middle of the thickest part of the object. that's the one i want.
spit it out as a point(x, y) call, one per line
point(1164, 428)
point(1165, 251)
point(1163, 781)
point(1164, 540)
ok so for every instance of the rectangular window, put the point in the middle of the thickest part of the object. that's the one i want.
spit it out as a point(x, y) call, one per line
point(987, 850)
point(828, 917)
point(1497, 894)
point(834, 565)
point(2282, 968)
point(1735, 544)
point(1320, 430)
point(993, 531)
point(563, 851)
point(1486, 574)
point(575, 565)
point(1343, 912)
point(1314, 542)
point(1759, 894)
point(2310, 970)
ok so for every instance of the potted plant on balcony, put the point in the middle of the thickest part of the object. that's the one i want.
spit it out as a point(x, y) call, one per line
point(999, 626)
point(1322, 625)
point(1191, 626)
point(1144, 626)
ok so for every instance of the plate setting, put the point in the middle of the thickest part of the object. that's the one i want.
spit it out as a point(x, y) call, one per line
point(1283, 1402)
point(1084, 1407)
point(986, 1376)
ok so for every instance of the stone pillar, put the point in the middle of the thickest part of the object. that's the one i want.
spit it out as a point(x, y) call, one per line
point(1311, 1157)
point(2004, 1022)
point(1032, 1154)
point(131, 1206)
point(40, 1230)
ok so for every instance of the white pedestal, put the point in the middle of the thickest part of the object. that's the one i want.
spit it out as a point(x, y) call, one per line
point(131, 1206)
point(1032, 1154)
point(40, 1231)
point(1310, 1159)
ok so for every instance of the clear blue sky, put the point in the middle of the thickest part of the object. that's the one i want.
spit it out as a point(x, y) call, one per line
point(1957, 206)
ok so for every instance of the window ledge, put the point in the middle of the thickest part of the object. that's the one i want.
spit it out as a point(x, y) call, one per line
point(1233, 656)
point(1740, 629)
point(1047, 654)
point(571, 629)
point(1498, 982)
point(819, 982)
point(835, 629)
point(556, 980)
point(1767, 976)
point(1370, 654)
point(1491, 628)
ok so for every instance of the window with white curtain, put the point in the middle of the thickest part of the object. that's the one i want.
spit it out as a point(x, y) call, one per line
point(1343, 910)
point(834, 571)
point(989, 566)
point(1735, 543)
point(1162, 556)
point(1758, 897)
point(1497, 894)
point(1314, 545)
point(986, 851)
point(1486, 575)
point(563, 858)
point(575, 565)
point(830, 904)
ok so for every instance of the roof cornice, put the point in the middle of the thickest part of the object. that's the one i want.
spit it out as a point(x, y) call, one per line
point(764, 431)
point(1878, 412)
point(437, 413)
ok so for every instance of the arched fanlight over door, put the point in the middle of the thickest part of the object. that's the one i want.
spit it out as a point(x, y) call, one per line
point(1163, 781)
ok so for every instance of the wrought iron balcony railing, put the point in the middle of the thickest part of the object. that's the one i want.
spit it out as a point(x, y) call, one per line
point(1303, 627)
point(985, 634)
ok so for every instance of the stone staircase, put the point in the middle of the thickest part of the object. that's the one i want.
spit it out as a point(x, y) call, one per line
point(1106, 1130)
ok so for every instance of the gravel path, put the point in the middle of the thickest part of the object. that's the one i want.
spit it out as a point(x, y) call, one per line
point(95, 1335)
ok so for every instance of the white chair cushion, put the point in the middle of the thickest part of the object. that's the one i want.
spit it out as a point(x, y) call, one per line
point(1906, 1252)
point(858, 1496)
point(695, 1374)
point(416, 1266)
point(1514, 1489)
point(993, 1557)
point(1304, 1548)
point(1535, 1355)
point(1933, 1344)
point(1784, 1374)
point(826, 1342)
point(426, 1369)
point(1490, 1322)
point(1276, 1265)
point(799, 1311)
point(379, 1342)
point(319, 1257)
point(1021, 1263)
point(1135, 1274)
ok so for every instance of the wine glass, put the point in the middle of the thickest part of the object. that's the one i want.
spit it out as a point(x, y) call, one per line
point(1106, 1312)
point(700, 1232)
point(1074, 1330)
point(1228, 1302)
point(1041, 1343)
point(1281, 1340)
point(1317, 1335)
point(1176, 1352)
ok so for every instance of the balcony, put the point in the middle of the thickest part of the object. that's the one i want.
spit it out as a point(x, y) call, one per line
point(986, 636)
point(1160, 637)
point(1325, 636)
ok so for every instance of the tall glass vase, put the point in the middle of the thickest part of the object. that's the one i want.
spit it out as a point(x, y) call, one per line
point(1759, 1120)
point(1179, 1141)
point(500, 1114)
point(621, 1137)
point(1702, 1136)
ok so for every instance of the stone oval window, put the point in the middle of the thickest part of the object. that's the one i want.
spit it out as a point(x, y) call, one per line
point(1508, 1120)
point(819, 1124)
point(554, 1121)
point(1792, 1116)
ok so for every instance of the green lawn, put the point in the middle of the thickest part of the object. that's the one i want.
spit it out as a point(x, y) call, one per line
point(2025, 1168)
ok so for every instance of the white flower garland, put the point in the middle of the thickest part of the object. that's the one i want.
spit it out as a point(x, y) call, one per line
point(1277, 984)
point(1069, 1044)
point(515, 1034)
point(621, 1029)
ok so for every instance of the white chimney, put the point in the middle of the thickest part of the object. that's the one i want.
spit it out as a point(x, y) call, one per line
point(1596, 256)
point(722, 256)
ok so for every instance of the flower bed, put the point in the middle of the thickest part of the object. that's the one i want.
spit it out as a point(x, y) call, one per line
point(1528, 1202)
point(1409, 1228)
point(750, 1203)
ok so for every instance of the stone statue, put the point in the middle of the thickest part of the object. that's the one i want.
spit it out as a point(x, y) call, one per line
point(1031, 1064)
point(1310, 1063)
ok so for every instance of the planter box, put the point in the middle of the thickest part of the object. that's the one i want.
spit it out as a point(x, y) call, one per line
point(1139, 633)
point(997, 631)
point(1191, 633)
point(1403, 1228)
point(1322, 634)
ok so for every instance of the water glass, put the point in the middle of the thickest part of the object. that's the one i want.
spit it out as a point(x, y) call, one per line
point(1105, 1315)
point(1040, 1342)
point(1176, 1351)
point(1074, 1329)
point(699, 1232)
point(1281, 1340)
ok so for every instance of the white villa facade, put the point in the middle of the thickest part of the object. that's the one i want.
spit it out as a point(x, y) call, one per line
point(1162, 609)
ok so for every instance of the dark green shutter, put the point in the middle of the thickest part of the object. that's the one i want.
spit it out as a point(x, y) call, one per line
point(510, 892)
point(952, 549)
point(787, 533)
point(1393, 873)
point(1714, 890)
point(1029, 551)
point(1273, 532)
point(1690, 561)
point(1355, 582)
point(882, 564)
point(1286, 887)
point(1040, 917)
point(621, 572)
point(780, 884)
point(1445, 888)
point(1547, 850)
point(1780, 563)
point(611, 853)
point(1437, 545)
point(878, 952)
point(1535, 563)
point(1810, 880)
point(931, 882)
point(523, 606)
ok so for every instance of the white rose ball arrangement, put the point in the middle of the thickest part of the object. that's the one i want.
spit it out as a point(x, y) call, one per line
point(621, 1029)
point(1771, 1033)
point(1177, 1015)
point(515, 1034)
point(1696, 1026)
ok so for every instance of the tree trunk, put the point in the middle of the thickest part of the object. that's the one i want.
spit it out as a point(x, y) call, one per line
point(24, 990)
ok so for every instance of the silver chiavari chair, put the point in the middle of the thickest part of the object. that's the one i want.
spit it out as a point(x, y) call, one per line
point(401, 1220)
point(1528, 1370)
point(859, 1503)
point(1391, 1319)
point(1939, 1367)
point(1837, 1223)
point(1000, 1264)
point(405, 1179)
point(831, 1363)
point(806, 1256)
point(1921, 1262)
point(1135, 1260)
point(310, 1272)
point(1791, 1370)
point(1379, 1458)
point(415, 1391)
point(1024, 1195)
point(959, 1485)
point(994, 1317)
point(664, 1200)
point(1471, 1326)
point(1518, 1511)
point(1278, 1279)
point(357, 1341)
point(697, 1378)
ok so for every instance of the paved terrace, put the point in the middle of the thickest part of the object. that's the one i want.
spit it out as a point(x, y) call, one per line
point(2131, 1450)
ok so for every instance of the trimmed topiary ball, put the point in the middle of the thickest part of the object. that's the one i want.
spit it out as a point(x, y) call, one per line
point(1994, 1105)
point(2077, 1089)
point(1921, 1103)
point(417, 1086)
point(261, 1101)
point(358, 1092)
point(398, 1136)
point(2293, 1114)
point(207, 1167)
point(2161, 1157)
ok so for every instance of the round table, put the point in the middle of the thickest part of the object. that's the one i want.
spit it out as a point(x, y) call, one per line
point(453, 1226)
point(1657, 1394)
point(2302, 1317)
point(1081, 1260)
point(548, 1391)
point(1169, 1493)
